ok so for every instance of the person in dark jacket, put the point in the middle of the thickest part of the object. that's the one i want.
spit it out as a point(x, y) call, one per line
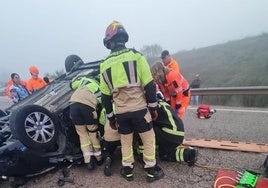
point(169, 131)
point(195, 84)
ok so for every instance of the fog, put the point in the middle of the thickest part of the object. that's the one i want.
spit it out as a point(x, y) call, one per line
point(45, 32)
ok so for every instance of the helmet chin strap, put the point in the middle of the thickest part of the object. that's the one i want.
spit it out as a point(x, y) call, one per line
point(108, 45)
point(115, 46)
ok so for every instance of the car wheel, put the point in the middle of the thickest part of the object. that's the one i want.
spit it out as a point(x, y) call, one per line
point(34, 126)
point(70, 61)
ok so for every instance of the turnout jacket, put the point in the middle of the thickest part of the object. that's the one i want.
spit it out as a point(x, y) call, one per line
point(86, 92)
point(126, 79)
point(171, 127)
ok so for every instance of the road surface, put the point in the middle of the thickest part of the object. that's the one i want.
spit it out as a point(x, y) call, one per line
point(228, 123)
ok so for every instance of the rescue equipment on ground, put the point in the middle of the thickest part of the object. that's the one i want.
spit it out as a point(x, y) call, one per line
point(245, 179)
point(204, 111)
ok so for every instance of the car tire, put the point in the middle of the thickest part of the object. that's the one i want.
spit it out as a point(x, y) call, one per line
point(34, 126)
point(70, 61)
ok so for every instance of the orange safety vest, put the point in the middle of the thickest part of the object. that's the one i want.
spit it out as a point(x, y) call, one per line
point(35, 83)
point(173, 65)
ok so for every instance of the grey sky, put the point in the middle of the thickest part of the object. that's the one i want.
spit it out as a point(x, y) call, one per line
point(44, 32)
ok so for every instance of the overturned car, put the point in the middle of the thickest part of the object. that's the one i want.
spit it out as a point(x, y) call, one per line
point(37, 134)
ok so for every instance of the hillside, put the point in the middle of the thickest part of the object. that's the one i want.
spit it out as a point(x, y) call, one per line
point(236, 63)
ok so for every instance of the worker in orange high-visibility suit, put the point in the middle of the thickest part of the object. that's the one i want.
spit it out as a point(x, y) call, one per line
point(174, 87)
point(35, 82)
point(169, 62)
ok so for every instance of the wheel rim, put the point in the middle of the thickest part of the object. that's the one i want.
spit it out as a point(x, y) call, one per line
point(39, 127)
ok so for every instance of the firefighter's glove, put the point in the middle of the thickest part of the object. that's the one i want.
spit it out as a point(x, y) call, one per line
point(168, 101)
point(113, 124)
point(154, 114)
point(177, 107)
point(186, 93)
point(159, 95)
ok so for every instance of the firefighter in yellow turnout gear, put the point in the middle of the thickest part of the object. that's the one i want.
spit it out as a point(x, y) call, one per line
point(83, 108)
point(126, 80)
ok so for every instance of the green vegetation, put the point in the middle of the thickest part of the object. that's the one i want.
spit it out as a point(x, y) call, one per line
point(236, 63)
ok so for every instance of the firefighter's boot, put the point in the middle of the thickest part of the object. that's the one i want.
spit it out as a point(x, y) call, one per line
point(186, 154)
point(154, 173)
point(107, 166)
point(191, 156)
point(126, 172)
point(91, 165)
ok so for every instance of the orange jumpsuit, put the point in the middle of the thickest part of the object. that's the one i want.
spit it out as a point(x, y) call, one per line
point(35, 83)
point(176, 90)
point(173, 65)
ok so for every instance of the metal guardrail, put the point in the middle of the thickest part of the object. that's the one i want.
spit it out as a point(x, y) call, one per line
point(249, 90)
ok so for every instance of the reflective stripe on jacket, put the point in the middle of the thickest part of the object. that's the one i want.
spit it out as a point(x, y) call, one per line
point(171, 126)
point(175, 86)
point(123, 75)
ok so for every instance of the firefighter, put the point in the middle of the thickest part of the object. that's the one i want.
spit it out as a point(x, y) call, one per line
point(125, 79)
point(174, 87)
point(169, 131)
point(83, 111)
point(110, 141)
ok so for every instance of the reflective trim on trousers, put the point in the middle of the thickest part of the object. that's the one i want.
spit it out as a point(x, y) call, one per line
point(85, 154)
point(98, 153)
point(150, 164)
point(179, 155)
